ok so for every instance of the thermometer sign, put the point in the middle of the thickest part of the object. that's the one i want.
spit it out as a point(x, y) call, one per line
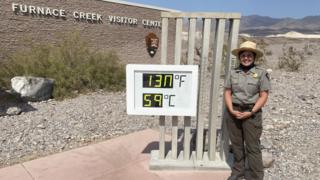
point(162, 89)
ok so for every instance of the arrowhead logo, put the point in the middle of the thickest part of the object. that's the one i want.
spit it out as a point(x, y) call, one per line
point(152, 42)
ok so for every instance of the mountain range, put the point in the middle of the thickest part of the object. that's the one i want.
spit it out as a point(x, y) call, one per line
point(256, 25)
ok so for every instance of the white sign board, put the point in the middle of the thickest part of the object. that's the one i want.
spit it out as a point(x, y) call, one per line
point(162, 89)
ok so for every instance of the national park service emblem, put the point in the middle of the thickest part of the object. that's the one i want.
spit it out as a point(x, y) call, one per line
point(152, 42)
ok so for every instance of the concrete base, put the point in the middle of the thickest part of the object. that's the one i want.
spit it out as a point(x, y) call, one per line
point(192, 164)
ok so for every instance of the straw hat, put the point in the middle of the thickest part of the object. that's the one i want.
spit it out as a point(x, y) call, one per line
point(248, 46)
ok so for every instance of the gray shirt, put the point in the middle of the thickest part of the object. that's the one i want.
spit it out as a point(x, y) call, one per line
point(246, 87)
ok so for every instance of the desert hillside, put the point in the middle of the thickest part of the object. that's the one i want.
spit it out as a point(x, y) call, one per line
point(256, 25)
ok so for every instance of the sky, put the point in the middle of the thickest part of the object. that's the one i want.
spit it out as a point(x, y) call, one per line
point(271, 8)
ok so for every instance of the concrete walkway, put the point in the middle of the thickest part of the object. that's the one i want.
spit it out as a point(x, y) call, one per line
point(122, 158)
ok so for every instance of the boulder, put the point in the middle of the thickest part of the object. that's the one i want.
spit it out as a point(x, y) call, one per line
point(33, 88)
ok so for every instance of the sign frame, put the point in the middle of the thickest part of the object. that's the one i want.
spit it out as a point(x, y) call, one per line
point(131, 69)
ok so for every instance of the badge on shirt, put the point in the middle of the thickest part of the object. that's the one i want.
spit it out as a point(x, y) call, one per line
point(255, 75)
point(268, 76)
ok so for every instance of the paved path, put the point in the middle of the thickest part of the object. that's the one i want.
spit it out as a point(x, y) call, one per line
point(123, 158)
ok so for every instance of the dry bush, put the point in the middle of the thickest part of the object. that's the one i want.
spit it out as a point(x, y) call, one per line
point(268, 53)
point(262, 45)
point(291, 59)
point(71, 63)
point(308, 49)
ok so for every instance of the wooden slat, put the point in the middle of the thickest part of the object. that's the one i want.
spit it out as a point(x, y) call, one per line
point(162, 119)
point(201, 15)
point(174, 136)
point(162, 129)
point(164, 40)
point(191, 40)
point(177, 59)
point(232, 44)
point(202, 97)
point(178, 41)
point(187, 137)
point(187, 119)
point(214, 93)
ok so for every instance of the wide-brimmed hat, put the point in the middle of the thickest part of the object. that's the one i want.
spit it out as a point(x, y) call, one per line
point(248, 46)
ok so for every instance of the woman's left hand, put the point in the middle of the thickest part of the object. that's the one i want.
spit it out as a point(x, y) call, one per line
point(244, 115)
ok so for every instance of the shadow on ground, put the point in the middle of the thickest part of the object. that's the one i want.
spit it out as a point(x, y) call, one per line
point(155, 144)
point(9, 100)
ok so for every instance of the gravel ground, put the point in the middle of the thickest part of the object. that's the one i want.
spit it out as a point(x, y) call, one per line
point(291, 124)
point(51, 126)
point(291, 127)
point(292, 120)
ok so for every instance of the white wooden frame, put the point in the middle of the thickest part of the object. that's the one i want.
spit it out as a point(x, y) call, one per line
point(200, 155)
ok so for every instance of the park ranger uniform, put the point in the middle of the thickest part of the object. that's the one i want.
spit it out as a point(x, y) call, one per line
point(245, 87)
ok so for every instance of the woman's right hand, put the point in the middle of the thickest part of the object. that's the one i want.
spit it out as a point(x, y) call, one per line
point(241, 115)
point(236, 114)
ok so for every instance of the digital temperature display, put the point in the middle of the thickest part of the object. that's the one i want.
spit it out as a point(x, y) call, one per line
point(157, 80)
point(152, 100)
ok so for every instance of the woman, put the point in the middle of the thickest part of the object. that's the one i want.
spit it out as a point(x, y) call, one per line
point(246, 92)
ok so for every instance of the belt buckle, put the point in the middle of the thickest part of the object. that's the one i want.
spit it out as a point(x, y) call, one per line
point(248, 106)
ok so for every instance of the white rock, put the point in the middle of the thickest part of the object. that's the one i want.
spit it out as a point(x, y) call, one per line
point(14, 111)
point(267, 159)
point(268, 127)
point(33, 88)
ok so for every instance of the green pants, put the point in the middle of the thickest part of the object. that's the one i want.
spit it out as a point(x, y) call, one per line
point(245, 139)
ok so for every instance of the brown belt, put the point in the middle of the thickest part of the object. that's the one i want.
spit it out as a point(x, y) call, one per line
point(243, 106)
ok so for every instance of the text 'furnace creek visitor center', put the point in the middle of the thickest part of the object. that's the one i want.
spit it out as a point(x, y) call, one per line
point(106, 25)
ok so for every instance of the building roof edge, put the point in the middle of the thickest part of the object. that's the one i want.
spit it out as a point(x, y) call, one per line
point(140, 5)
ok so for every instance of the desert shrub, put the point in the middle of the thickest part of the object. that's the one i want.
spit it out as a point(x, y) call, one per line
point(210, 59)
point(269, 53)
point(262, 45)
point(291, 59)
point(224, 59)
point(308, 49)
point(70, 62)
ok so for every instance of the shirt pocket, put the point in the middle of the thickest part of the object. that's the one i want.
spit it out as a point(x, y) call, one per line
point(235, 84)
point(253, 86)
